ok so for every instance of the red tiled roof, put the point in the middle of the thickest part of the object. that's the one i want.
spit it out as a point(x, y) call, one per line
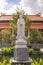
point(5, 17)
point(35, 17)
point(37, 26)
point(4, 25)
point(32, 17)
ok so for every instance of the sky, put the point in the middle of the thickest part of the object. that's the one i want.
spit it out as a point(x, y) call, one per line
point(30, 6)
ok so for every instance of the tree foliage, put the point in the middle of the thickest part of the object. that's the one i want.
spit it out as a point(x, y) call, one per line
point(38, 62)
point(15, 17)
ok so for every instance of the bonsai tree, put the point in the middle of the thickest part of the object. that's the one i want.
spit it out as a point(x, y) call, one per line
point(13, 38)
point(35, 35)
point(5, 36)
point(39, 37)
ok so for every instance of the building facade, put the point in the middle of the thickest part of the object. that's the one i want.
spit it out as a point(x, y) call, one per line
point(37, 22)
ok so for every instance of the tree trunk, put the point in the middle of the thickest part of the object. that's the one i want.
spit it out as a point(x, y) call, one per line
point(12, 34)
point(29, 35)
point(28, 32)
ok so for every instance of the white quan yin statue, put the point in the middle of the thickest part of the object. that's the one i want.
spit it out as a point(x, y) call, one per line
point(20, 27)
point(21, 51)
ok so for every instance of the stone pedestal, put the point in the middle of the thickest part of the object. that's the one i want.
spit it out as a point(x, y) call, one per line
point(21, 51)
point(14, 62)
point(21, 54)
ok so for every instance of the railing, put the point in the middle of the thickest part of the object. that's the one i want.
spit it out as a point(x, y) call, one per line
point(5, 45)
point(36, 45)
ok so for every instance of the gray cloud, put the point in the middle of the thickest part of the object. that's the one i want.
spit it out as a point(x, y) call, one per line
point(30, 6)
point(35, 5)
point(41, 8)
point(41, 1)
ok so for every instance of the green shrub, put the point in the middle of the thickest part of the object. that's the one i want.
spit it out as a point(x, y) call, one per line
point(34, 53)
point(31, 50)
point(5, 61)
point(38, 62)
point(7, 51)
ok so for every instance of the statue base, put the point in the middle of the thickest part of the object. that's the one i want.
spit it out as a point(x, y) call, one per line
point(21, 54)
point(21, 51)
point(14, 62)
